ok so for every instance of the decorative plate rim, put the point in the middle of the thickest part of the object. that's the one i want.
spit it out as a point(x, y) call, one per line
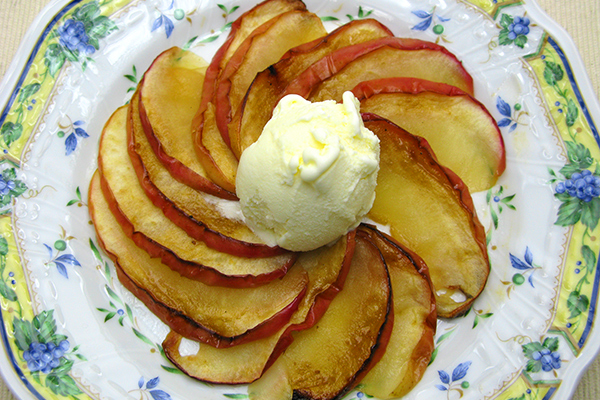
point(15, 75)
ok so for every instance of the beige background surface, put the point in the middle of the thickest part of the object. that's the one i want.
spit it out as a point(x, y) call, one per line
point(580, 18)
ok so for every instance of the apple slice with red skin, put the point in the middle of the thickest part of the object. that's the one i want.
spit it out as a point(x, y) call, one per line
point(170, 95)
point(327, 269)
point(264, 47)
point(154, 232)
point(217, 316)
point(343, 69)
point(330, 358)
point(240, 29)
point(461, 131)
point(441, 227)
point(212, 152)
point(264, 92)
point(415, 320)
point(188, 208)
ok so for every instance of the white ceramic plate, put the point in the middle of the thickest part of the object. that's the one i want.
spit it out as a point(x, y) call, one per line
point(529, 336)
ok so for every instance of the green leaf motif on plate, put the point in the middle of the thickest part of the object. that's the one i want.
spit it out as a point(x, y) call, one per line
point(11, 132)
point(577, 304)
point(28, 91)
point(193, 42)
point(6, 291)
point(553, 73)
point(121, 311)
point(360, 15)
point(497, 202)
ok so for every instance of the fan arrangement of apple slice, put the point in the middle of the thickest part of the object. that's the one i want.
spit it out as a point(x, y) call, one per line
point(315, 324)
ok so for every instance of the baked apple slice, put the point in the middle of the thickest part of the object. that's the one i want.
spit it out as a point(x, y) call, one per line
point(217, 316)
point(460, 130)
point(410, 347)
point(329, 359)
point(342, 70)
point(266, 88)
point(170, 95)
point(264, 47)
point(429, 209)
point(160, 237)
point(240, 29)
point(197, 213)
point(213, 153)
point(327, 268)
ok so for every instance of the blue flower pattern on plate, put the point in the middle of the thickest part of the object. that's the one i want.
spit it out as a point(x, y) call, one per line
point(450, 383)
point(78, 38)
point(6, 186)
point(519, 26)
point(506, 111)
point(150, 387)
point(428, 18)
point(45, 357)
point(525, 266)
point(47, 353)
point(72, 140)
point(583, 185)
point(514, 30)
point(10, 187)
point(61, 260)
point(542, 356)
point(74, 37)
point(165, 21)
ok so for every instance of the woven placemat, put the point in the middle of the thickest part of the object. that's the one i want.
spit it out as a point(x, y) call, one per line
point(581, 19)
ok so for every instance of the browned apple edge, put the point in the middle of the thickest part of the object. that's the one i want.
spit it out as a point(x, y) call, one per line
point(329, 65)
point(188, 328)
point(367, 89)
point(191, 270)
point(466, 202)
point(196, 229)
point(318, 308)
point(178, 170)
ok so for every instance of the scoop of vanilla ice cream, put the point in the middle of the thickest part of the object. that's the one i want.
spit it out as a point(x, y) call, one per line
point(311, 175)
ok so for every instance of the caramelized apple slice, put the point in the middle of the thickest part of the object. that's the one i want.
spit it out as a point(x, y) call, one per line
point(329, 359)
point(153, 231)
point(170, 95)
point(263, 48)
point(430, 210)
point(342, 70)
point(212, 151)
point(461, 131)
point(264, 92)
point(199, 215)
point(327, 268)
point(218, 316)
point(411, 344)
point(240, 29)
